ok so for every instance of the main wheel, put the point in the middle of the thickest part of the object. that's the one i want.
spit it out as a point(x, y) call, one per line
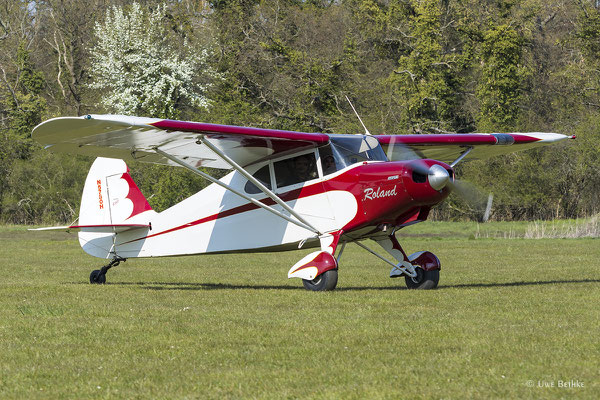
point(326, 281)
point(424, 279)
point(97, 277)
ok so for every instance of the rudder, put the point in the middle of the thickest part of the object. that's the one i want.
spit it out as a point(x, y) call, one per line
point(110, 197)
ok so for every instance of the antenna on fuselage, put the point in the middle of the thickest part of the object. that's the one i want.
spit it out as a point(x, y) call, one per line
point(358, 116)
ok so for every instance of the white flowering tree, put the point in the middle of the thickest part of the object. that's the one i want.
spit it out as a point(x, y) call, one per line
point(139, 70)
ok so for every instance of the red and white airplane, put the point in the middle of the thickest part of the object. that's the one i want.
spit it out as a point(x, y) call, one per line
point(286, 190)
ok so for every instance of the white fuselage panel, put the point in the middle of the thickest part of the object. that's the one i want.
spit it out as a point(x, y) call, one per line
point(217, 220)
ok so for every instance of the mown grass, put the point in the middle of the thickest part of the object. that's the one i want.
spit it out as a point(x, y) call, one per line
point(508, 314)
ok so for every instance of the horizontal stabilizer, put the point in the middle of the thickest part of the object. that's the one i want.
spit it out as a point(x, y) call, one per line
point(95, 228)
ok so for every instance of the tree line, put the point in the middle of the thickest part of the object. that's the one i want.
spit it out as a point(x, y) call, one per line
point(409, 67)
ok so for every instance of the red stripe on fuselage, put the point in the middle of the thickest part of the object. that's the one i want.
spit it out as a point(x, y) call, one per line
point(315, 188)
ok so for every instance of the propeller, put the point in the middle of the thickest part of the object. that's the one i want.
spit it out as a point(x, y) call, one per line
point(469, 192)
point(439, 178)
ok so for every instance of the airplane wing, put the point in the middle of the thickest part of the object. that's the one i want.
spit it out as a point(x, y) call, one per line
point(136, 138)
point(476, 146)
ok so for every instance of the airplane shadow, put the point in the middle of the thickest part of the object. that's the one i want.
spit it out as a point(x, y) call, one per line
point(200, 286)
point(519, 283)
point(226, 286)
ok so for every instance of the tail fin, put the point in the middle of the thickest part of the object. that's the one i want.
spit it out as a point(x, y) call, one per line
point(110, 196)
point(110, 199)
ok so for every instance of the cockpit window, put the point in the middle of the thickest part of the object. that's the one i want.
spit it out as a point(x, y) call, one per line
point(327, 160)
point(350, 149)
point(263, 176)
point(296, 170)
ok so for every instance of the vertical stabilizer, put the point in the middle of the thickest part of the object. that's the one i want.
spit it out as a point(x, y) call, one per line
point(110, 197)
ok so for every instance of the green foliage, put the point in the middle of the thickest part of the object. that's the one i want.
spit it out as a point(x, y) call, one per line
point(44, 189)
point(289, 75)
point(22, 107)
point(589, 32)
point(31, 80)
point(382, 25)
point(581, 72)
point(428, 78)
point(502, 75)
point(25, 106)
point(164, 186)
point(424, 66)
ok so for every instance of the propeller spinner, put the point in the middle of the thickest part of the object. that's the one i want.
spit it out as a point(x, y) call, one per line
point(438, 177)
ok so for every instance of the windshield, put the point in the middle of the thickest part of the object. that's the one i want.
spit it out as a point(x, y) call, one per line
point(350, 149)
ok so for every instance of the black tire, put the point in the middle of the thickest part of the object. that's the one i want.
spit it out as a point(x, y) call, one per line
point(326, 281)
point(97, 277)
point(424, 280)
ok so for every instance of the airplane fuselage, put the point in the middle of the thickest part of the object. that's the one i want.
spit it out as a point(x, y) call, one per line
point(362, 200)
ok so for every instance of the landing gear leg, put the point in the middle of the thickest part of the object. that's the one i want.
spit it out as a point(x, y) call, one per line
point(98, 276)
point(421, 270)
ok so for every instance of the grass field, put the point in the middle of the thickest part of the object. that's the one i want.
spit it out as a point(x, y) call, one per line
point(510, 315)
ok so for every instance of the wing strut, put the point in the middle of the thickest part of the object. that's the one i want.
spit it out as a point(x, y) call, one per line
point(462, 155)
point(258, 184)
point(227, 187)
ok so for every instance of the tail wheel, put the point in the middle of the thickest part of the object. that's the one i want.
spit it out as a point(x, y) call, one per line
point(97, 277)
point(424, 279)
point(326, 281)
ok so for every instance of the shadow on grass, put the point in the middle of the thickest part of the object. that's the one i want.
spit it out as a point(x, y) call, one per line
point(203, 286)
point(509, 284)
point(226, 286)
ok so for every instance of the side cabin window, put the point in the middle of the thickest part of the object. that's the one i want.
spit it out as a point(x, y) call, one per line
point(295, 170)
point(263, 176)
